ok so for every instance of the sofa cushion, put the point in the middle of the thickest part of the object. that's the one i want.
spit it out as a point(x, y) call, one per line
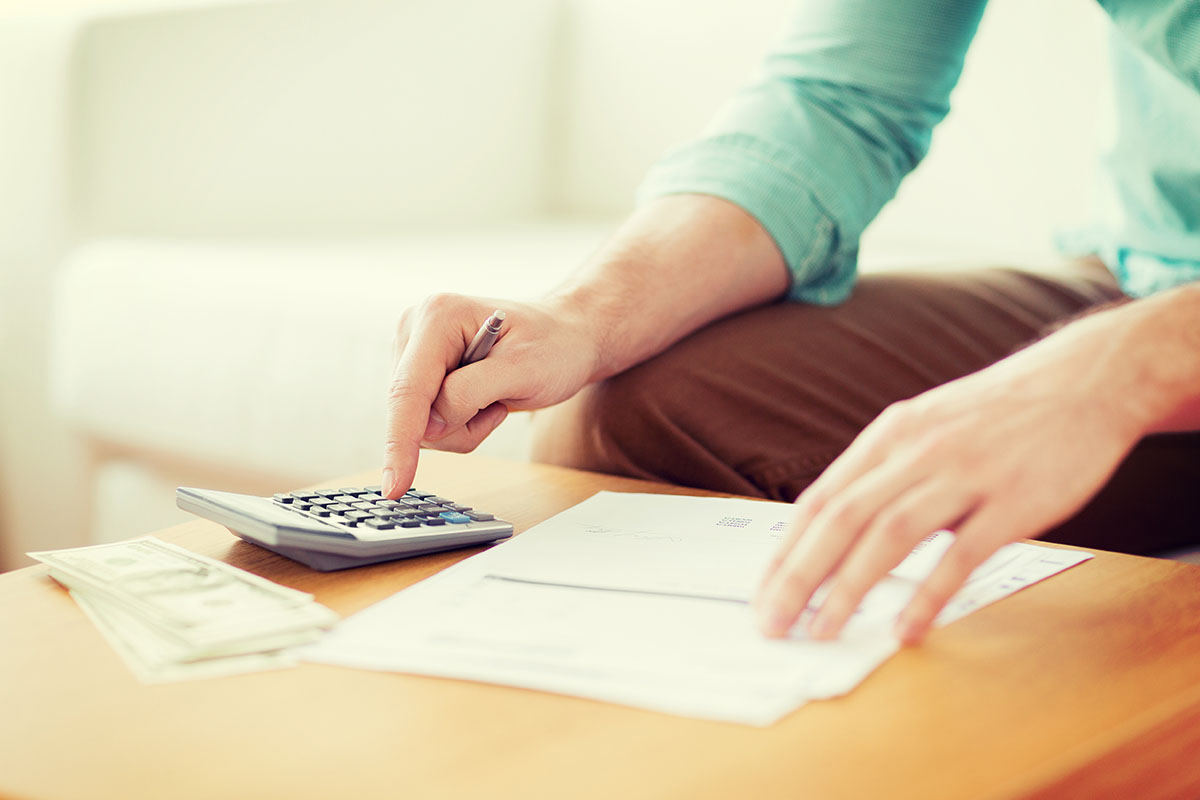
point(270, 358)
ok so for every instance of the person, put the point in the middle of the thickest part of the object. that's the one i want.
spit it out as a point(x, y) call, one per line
point(722, 339)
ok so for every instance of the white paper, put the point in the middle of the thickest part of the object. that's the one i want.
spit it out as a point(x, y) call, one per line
point(643, 600)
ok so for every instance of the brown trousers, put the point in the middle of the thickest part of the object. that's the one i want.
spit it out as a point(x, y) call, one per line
point(761, 402)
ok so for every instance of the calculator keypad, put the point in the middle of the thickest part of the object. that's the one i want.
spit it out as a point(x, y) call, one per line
point(364, 507)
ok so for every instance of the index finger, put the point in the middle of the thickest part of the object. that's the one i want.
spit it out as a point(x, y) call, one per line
point(416, 379)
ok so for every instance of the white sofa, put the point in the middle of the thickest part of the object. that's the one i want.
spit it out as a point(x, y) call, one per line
point(211, 212)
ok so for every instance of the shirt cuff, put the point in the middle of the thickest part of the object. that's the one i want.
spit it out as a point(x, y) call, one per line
point(758, 177)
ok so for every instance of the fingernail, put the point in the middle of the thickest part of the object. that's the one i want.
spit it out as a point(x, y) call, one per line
point(772, 622)
point(389, 481)
point(906, 629)
point(436, 426)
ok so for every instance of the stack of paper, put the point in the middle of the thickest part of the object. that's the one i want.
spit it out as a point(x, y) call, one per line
point(175, 615)
point(644, 600)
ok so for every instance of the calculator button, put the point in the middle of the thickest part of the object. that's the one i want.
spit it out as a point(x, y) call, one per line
point(318, 511)
point(371, 488)
point(339, 508)
point(419, 494)
point(284, 498)
point(358, 515)
point(345, 498)
point(379, 524)
point(363, 506)
point(458, 507)
point(353, 490)
point(338, 519)
point(479, 517)
point(411, 523)
point(329, 492)
point(372, 497)
point(299, 506)
point(303, 495)
point(321, 501)
point(455, 518)
point(434, 521)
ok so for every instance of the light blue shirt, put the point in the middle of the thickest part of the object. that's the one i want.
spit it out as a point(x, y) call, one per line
point(847, 104)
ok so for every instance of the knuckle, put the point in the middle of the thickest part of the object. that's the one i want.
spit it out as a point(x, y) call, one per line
point(962, 558)
point(896, 524)
point(790, 584)
point(395, 447)
point(811, 501)
point(896, 419)
point(401, 389)
point(850, 585)
point(403, 322)
point(440, 303)
point(454, 445)
point(840, 513)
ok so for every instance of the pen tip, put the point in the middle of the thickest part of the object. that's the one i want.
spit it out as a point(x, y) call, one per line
point(498, 315)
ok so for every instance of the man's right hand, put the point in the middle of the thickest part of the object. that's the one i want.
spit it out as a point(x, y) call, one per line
point(546, 353)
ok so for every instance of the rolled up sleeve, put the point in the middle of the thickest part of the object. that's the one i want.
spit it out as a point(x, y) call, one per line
point(815, 147)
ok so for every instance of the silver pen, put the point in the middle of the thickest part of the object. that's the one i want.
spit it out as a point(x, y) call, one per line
point(481, 345)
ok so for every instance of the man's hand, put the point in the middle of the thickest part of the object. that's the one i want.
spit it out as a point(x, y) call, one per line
point(545, 354)
point(997, 456)
point(676, 264)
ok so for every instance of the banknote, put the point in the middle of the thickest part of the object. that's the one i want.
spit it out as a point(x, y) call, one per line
point(181, 588)
point(174, 614)
point(155, 660)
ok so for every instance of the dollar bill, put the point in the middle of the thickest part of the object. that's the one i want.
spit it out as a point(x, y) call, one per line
point(164, 607)
point(166, 581)
point(155, 660)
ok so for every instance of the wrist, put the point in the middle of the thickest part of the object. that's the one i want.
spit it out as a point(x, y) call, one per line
point(573, 309)
point(1160, 348)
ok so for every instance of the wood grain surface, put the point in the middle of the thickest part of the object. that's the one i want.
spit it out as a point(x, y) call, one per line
point(1085, 685)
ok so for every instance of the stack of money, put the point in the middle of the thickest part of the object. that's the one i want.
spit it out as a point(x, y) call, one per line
point(175, 615)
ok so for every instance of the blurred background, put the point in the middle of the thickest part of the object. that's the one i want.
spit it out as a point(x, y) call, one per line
point(212, 212)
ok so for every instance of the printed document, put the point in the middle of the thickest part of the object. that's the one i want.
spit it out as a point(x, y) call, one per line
point(643, 600)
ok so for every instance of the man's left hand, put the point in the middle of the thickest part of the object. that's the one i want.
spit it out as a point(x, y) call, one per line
point(997, 456)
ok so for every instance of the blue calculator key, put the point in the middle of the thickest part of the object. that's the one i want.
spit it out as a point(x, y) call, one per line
point(455, 518)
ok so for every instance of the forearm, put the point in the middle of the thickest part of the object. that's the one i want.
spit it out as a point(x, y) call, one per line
point(677, 264)
point(1159, 339)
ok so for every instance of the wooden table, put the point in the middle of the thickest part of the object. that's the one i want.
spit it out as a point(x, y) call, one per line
point(1086, 685)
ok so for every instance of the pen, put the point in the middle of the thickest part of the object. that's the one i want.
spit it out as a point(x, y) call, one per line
point(481, 345)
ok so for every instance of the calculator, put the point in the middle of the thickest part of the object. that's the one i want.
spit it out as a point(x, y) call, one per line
point(334, 529)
